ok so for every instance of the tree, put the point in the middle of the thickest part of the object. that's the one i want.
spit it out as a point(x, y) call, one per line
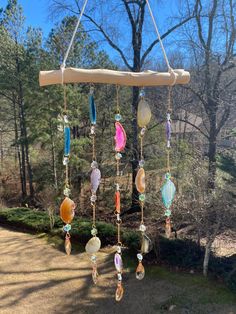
point(213, 57)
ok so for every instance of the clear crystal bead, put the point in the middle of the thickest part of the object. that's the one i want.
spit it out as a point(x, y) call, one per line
point(66, 120)
point(118, 249)
point(94, 231)
point(66, 192)
point(168, 116)
point(93, 198)
point(141, 163)
point(118, 156)
point(139, 257)
point(92, 130)
point(91, 91)
point(118, 117)
point(142, 228)
point(117, 187)
point(168, 144)
point(168, 212)
point(142, 132)
point(142, 197)
point(142, 93)
point(93, 258)
point(119, 276)
point(94, 164)
point(65, 161)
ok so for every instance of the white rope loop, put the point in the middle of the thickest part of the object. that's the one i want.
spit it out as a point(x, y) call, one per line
point(63, 65)
point(159, 37)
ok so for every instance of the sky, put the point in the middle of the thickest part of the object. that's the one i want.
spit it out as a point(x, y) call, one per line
point(36, 14)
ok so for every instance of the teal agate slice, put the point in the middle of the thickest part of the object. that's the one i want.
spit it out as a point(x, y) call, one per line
point(168, 191)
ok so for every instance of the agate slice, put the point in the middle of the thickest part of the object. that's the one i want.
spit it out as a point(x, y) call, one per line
point(93, 245)
point(92, 110)
point(117, 202)
point(144, 113)
point(120, 137)
point(146, 245)
point(140, 180)
point(95, 179)
point(67, 141)
point(67, 210)
point(119, 292)
point(140, 271)
point(67, 246)
point(118, 262)
point(168, 192)
point(168, 130)
point(95, 275)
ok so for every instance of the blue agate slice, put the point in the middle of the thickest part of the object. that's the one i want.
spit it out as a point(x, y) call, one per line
point(67, 141)
point(92, 110)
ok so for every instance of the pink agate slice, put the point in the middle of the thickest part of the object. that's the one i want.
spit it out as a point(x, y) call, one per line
point(95, 179)
point(120, 137)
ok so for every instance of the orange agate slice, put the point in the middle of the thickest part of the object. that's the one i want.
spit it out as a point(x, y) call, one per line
point(117, 202)
point(67, 210)
point(140, 180)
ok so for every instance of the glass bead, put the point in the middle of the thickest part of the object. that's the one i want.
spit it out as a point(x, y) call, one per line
point(168, 212)
point(141, 163)
point(117, 187)
point(119, 276)
point(118, 156)
point(139, 257)
point(92, 130)
point(93, 198)
point(67, 228)
point(91, 91)
point(142, 93)
point(142, 132)
point(168, 116)
point(167, 176)
point(66, 120)
point(168, 144)
point(146, 244)
point(118, 249)
point(67, 192)
point(142, 197)
point(65, 161)
point(94, 231)
point(118, 117)
point(93, 258)
point(94, 165)
point(142, 228)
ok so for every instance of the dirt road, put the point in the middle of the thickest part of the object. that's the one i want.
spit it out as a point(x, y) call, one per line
point(37, 278)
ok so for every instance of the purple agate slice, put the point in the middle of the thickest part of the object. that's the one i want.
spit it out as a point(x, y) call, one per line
point(168, 130)
point(118, 262)
point(95, 179)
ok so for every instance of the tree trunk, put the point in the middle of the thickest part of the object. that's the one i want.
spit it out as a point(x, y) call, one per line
point(212, 150)
point(207, 257)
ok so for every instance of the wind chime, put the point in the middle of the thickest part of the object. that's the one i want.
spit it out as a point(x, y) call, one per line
point(168, 188)
point(94, 244)
point(67, 208)
point(138, 79)
point(120, 142)
point(143, 118)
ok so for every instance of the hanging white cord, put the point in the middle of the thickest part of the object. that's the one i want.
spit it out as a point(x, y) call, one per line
point(63, 65)
point(159, 37)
